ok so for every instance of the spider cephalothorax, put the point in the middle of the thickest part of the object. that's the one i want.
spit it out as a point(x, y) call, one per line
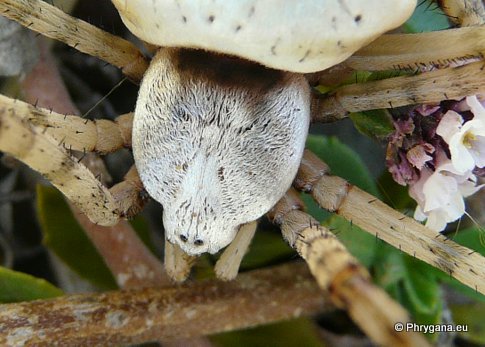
point(217, 140)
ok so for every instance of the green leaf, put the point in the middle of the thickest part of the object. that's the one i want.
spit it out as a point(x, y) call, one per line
point(297, 332)
point(360, 244)
point(410, 281)
point(471, 315)
point(394, 194)
point(17, 286)
point(267, 248)
point(143, 231)
point(426, 17)
point(422, 291)
point(343, 161)
point(64, 236)
point(375, 124)
point(389, 268)
point(471, 238)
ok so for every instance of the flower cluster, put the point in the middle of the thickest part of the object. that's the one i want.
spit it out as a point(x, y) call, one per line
point(439, 150)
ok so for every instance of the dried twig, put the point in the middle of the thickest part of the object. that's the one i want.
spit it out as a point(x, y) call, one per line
point(254, 298)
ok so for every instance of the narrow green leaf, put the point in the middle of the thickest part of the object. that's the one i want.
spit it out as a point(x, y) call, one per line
point(471, 316)
point(427, 17)
point(375, 124)
point(17, 286)
point(394, 194)
point(360, 244)
point(143, 231)
point(343, 161)
point(297, 332)
point(473, 239)
point(389, 268)
point(423, 291)
point(267, 248)
point(64, 236)
point(410, 281)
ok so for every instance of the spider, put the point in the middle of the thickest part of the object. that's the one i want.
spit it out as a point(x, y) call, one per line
point(258, 155)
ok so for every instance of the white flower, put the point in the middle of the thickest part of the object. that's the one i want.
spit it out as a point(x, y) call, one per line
point(466, 140)
point(440, 194)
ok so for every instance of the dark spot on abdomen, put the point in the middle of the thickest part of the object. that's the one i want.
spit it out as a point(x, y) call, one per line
point(220, 173)
point(307, 53)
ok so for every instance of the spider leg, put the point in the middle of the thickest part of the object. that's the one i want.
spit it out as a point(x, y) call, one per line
point(372, 215)
point(101, 136)
point(130, 194)
point(464, 12)
point(228, 264)
point(50, 21)
point(418, 51)
point(76, 133)
point(177, 262)
point(41, 152)
point(429, 87)
point(341, 275)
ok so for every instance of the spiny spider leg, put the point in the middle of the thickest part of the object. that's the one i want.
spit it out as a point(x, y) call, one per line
point(50, 21)
point(342, 276)
point(129, 194)
point(429, 87)
point(372, 215)
point(101, 136)
point(26, 142)
point(417, 51)
point(177, 263)
point(76, 133)
point(228, 264)
point(464, 12)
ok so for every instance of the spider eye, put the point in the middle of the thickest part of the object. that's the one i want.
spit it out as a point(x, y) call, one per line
point(198, 242)
point(183, 238)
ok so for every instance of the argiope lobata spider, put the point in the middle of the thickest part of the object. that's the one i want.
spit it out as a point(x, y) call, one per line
point(45, 130)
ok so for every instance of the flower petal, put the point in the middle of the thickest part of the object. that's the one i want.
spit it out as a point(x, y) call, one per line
point(437, 190)
point(476, 108)
point(460, 155)
point(449, 125)
point(418, 156)
point(436, 220)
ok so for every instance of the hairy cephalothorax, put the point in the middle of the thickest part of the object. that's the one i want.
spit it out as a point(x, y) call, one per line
point(217, 141)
